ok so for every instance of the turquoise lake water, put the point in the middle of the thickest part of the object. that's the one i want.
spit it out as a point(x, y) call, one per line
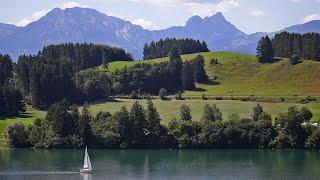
point(160, 164)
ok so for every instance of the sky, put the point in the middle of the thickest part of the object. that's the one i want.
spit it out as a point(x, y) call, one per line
point(249, 16)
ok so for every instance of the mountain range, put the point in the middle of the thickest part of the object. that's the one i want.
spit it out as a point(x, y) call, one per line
point(88, 25)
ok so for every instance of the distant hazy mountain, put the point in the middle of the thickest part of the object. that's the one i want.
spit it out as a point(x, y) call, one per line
point(73, 25)
point(7, 29)
point(312, 26)
point(88, 25)
point(249, 43)
point(215, 30)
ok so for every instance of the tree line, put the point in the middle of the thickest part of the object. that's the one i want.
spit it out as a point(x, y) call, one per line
point(306, 45)
point(65, 127)
point(174, 75)
point(56, 73)
point(162, 47)
point(289, 45)
point(84, 56)
point(10, 97)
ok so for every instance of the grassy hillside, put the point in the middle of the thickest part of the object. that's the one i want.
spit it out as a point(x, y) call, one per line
point(242, 75)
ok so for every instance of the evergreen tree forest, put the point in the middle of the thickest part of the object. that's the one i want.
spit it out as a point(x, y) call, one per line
point(162, 48)
point(10, 97)
point(55, 73)
point(67, 72)
point(287, 45)
point(173, 76)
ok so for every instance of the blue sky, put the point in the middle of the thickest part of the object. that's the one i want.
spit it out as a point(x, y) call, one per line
point(248, 15)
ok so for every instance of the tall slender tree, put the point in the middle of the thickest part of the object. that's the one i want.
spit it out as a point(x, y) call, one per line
point(265, 51)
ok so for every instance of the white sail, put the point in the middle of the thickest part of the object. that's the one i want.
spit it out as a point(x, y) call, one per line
point(89, 162)
point(86, 161)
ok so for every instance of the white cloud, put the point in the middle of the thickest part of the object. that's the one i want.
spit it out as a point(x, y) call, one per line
point(227, 5)
point(311, 17)
point(199, 9)
point(195, 7)
point(35, 16)
point(39, 14)
point(145, 24)
point(296, 1)
point(71, 4)
point(257, 12)
point(165, 3)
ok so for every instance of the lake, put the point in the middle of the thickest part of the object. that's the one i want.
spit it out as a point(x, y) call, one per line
point(160, 164)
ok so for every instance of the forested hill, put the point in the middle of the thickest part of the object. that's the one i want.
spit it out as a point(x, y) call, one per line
point(50, 75)
point(162, 48)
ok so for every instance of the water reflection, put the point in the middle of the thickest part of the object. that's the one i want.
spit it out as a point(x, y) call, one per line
point(86, 176)
point(161, 164)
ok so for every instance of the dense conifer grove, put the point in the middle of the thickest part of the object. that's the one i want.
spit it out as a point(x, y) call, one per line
point(55, 73)
point(10, 97)
point(67, 72)
point(286, 45)
point(162, 48)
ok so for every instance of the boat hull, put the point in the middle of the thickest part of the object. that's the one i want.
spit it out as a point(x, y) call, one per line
point(85, 170)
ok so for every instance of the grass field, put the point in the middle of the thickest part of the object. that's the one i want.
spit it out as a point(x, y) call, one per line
point(27, 118)
point(170, 109)
point(242, 75)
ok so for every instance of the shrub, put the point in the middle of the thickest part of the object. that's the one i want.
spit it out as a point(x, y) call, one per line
point(204, 97)
point(134, 95)
point(179, 96)
point(185, 113)
point(214, 61)
point(294, 59)
point(18, 135)
point(313, 141)
point(163, 94)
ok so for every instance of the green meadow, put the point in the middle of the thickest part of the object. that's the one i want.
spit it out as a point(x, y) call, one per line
point(170, 109)
point(242, 75)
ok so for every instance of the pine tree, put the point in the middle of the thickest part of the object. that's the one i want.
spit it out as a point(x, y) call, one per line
point(138, 120)
point(174, 54)
point(152, 117)
point(257, 110)
point(84, 124)
point(265, 52)
point(200, 75)
point(187, 77)
point(125, 127)
point(6, 67)
point(211, 113)
point(176, 65)
point(185, 113)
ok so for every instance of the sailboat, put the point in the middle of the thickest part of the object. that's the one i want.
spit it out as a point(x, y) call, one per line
point(87, 168)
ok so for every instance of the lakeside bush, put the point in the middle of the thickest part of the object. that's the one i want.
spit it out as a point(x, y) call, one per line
point(65, 127)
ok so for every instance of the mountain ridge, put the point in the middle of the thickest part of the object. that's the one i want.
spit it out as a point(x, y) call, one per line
point(79, 25)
